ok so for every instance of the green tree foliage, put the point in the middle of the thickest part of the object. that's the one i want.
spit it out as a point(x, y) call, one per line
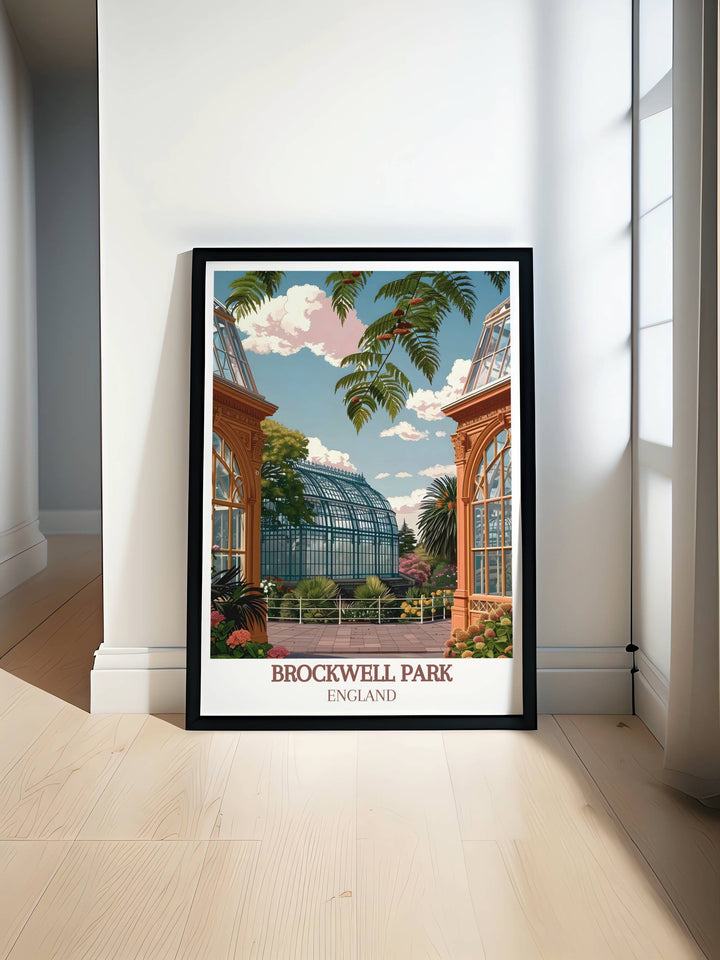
point(437, 519)
point(415, 307)
point(237, 599)
point(407, 539)
point(251, 290)
point(281, 486)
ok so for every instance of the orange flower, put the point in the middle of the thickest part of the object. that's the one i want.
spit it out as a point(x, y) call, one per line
point(467, 653)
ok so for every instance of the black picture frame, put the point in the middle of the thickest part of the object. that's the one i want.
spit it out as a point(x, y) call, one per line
point(202, 257)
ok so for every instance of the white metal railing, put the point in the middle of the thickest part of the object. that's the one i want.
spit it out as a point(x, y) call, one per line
point(341, 610)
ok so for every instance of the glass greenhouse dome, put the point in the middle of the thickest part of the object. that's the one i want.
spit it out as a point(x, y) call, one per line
point(354, 534)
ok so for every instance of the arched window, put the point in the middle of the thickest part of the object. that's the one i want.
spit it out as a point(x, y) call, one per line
point(228, 508)
point(492, 520)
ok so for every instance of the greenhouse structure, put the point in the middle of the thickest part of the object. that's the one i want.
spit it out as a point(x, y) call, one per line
point(353, 535)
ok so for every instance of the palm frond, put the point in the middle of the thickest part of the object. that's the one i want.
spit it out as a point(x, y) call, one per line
point(251, 290)
point(437, 519)
point(498, 278)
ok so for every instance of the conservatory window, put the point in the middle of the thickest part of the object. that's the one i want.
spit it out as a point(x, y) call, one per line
point(229, 361)
point(491, 546)
point(228, 509)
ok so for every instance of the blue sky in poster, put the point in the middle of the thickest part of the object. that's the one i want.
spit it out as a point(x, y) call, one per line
point(280, 340)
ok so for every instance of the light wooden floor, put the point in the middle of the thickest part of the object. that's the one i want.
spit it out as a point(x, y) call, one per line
point(126, 837)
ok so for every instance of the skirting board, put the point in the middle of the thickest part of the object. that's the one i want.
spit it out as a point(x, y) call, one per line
point(152, 680)
point(651, 697)
point(23, 553)
point(70, 521)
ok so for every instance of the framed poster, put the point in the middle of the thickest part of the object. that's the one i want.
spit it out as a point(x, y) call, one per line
point(361, 549)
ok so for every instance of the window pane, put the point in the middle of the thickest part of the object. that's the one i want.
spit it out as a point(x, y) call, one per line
point(504, 337)
point(508, 573)
point(493, 480)
point(655, 384)
point(222, 482)
point(479, 578)
point(655, 175)
point(655, 246)
point(221, 561)
point(238, 560)
point(217, 443)
point(238, 529)
point(507, 527)
point(479, 525)
point(494, 564)
point(507, 463)
point(494, 516)
point(221, 526)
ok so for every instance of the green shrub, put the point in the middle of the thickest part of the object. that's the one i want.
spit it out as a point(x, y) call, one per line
point(318, 595)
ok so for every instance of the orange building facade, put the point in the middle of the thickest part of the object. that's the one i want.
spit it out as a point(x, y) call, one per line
point(483, 456)
point(238, 441)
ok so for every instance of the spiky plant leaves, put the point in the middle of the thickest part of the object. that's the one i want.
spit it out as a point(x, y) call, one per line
point(237, 599)
point(498, 278)
point(437, 519)
point(251, 290)
point(344, 288)
point(373, 589)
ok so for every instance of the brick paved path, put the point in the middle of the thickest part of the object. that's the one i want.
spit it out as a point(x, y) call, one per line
point(361, 639)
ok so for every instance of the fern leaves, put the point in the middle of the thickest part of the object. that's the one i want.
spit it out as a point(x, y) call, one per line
point(344, 287)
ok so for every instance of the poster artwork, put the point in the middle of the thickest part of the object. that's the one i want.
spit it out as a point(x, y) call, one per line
point(362, 489)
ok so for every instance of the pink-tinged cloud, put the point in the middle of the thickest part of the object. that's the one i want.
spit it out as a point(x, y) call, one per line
point(403, 474)
point(441, 433)
point(404, 430)
point(439, 470)
point(319, 453)
point(303, 318)
point(409, 503)
point(428, 404)
point(381, 476)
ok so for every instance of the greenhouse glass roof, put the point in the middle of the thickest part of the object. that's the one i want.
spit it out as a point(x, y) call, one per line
point(229, 360)
point(354, 533)
point(492, 356)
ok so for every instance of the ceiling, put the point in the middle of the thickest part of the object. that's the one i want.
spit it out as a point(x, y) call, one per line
point(55, 35)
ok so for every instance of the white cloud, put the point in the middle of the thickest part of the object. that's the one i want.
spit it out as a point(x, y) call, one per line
point(403, 474)
point(427, 403)
point(319, 453)
point(406, 431)
point(439, 470)
point(304, 317)
point(381, 476)
point(440, 433)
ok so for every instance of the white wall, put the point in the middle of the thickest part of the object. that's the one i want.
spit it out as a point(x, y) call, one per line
point(23, 551)
point(66, 172)
point(497, 121)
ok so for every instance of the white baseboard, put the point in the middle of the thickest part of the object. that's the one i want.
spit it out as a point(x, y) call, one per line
point(152, 680)
point(23, 553)
point(651, 697)
point(70, 521)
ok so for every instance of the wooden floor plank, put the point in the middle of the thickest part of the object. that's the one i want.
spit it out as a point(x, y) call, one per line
point(114, 901)
point(58, 655)
point(49, 793)
point(24, 714)
point(676, 834)
point(294, 795)
point(73, 561)
point(25, 871)
point(577, 877)
point(168, 787)
point(414, 899)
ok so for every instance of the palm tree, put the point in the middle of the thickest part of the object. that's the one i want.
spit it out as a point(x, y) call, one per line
point(437, 520)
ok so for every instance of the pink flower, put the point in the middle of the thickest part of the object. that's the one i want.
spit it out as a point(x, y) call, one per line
point(278, 652)
point(216, 617)
point(216, 546)
point(238, 638)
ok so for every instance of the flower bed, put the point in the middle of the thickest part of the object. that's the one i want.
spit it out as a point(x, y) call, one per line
point(228, 642)
point(491, 638)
